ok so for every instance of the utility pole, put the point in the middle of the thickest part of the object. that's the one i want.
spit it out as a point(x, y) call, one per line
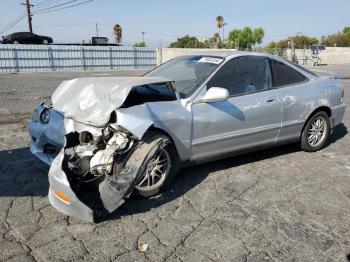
point(143, 37)
point(96, 30)
point(29, 15)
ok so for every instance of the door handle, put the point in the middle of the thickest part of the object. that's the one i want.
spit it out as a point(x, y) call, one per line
point(271, 100)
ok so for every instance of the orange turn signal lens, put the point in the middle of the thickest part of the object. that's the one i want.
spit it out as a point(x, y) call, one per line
point(62, 196)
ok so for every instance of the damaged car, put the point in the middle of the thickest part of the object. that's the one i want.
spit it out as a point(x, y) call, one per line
point(106, 138)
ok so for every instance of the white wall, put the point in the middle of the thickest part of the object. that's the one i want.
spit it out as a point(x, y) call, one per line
point(330, 56)
point(335, 55)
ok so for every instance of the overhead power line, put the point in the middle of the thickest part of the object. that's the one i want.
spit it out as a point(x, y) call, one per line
point(14, 20)
point(62, 8)
point(46, 2)
point(13, 23)
point(66, 25)
point(54, 6)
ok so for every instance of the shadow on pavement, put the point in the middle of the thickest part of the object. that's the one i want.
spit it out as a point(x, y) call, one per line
point(338, 132)
point(21, 174)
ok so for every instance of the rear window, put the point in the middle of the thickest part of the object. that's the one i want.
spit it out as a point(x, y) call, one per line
point(283, 74)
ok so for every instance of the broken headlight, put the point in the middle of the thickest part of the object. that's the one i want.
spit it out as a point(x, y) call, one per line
point(45, 116)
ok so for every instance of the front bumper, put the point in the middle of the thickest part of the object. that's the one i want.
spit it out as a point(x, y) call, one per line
point(59, 186)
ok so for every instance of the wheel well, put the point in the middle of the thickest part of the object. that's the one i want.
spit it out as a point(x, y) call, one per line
point(325, 109)
point(322, 108)
point(163, 132)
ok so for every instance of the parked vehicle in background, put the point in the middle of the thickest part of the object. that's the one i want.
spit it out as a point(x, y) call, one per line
point(99, 40)
point(26, 38)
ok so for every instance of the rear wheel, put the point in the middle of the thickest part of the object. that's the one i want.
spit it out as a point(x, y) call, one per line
point(315, 132)
point(161, 167)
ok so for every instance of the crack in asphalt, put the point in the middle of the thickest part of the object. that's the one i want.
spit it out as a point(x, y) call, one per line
point(28, 250)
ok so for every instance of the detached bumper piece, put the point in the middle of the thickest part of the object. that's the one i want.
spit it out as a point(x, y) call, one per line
point(82, 187)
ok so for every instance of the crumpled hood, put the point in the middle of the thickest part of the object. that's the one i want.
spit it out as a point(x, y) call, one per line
point(91, 100)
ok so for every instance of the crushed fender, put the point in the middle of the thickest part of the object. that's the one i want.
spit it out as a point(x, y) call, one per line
point(99, 171)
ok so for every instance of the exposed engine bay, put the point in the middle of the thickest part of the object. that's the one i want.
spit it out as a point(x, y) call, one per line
point(102, 131)
point(89, 160)
point(88, 157)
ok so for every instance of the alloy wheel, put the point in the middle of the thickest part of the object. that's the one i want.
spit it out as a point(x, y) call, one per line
point(156, 171)
point(317, 131)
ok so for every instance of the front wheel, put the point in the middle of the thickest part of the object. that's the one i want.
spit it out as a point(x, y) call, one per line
point(45, 42)
point(161, 167)
point(315, 132)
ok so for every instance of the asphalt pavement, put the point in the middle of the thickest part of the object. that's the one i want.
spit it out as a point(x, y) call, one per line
point(279, 204)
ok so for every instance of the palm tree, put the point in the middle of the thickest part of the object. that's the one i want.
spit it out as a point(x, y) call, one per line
point(117, 31)
point(216, 40)
point(219, 22)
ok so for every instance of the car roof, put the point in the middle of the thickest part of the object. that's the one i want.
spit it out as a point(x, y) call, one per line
point(233, 53)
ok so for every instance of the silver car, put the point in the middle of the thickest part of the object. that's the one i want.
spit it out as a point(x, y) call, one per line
point(109, 137)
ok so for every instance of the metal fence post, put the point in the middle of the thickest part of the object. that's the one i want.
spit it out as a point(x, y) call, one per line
point(110, 58)
point(135, 58)
point(50, 58)
point(82, 58)
point(15, 59)
point(159, 55)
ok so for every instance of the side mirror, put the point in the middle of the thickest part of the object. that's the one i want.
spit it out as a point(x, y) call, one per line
point(215, 94)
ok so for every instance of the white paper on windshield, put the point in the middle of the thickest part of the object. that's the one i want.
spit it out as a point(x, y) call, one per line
point(212, 60)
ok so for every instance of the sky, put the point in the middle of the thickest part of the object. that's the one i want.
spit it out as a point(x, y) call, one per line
point(163, 21)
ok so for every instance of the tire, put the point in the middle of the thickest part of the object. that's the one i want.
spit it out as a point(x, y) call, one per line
point(315, 132)
point(163, 163)
point(45, 42)
point(16, 42)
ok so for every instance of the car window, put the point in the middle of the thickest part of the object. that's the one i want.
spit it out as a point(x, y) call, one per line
point(283, 74)
point(24, 34)
point(188, 72)
point(243, 75)
point(305, 69)
point(161, 89)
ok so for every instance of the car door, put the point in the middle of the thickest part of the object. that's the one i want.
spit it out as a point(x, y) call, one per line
point(36, 39)
point(19, 37)
point(26, 38)
point(297, 96)
point(251, 116)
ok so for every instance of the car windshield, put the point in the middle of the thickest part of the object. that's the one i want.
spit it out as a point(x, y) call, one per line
point(188, 72)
